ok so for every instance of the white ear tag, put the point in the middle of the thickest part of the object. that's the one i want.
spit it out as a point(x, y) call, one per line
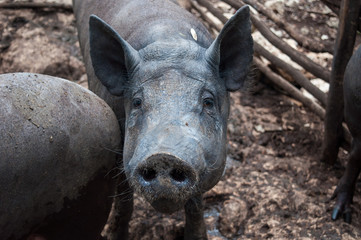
point(194, 34)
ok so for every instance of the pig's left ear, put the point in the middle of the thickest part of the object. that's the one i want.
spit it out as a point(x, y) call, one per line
point(232, 51)
point(113, 59)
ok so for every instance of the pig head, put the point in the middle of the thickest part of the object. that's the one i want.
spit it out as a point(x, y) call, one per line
point(173, 82)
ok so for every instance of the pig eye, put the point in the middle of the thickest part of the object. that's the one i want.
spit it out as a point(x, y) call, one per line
point(208, 103)
point(137, 103)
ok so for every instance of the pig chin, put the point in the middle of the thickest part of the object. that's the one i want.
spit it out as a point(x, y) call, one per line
point(168, 206)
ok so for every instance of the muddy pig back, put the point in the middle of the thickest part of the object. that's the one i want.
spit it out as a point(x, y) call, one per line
point(56, 149)
point(175, 82)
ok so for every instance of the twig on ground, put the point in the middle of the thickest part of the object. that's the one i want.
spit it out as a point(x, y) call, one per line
point(62, 6)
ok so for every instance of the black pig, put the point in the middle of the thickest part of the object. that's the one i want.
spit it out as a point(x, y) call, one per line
point(352, 96)
point(55, 138)
point(168, 82)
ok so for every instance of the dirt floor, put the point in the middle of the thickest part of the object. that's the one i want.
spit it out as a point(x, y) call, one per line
point(274, 186)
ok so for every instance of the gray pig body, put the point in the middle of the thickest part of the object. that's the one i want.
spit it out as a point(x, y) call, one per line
point(168, 81)
point(352, 113)
point(54, 158)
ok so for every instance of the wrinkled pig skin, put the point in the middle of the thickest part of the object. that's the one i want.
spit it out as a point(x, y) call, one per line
point(168, 82)
point(55, 157)
point(352, 112)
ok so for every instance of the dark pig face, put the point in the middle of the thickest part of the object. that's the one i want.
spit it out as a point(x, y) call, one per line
point(177, 105)
point(175, 137)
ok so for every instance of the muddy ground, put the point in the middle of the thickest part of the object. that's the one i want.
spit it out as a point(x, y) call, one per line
point(274, 186)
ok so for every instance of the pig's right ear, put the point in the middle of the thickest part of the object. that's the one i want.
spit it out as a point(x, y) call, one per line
point(113, 59)
point(232, 51)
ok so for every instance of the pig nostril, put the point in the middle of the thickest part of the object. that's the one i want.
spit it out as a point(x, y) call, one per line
point(178, 175)
point(148, 174)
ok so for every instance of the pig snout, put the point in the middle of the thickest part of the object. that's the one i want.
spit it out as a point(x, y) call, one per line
point(167, 165)
point(166, 181)
point(167, 171)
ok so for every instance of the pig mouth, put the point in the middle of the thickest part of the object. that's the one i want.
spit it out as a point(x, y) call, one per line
point(166, 205)
point(167, 200)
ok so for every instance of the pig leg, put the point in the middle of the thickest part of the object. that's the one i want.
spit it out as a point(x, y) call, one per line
point(195, 227)
point(345, 189)
point(119, 220)
point(122, 208)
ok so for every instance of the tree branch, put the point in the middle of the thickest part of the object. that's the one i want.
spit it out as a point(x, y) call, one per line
point(63, 6)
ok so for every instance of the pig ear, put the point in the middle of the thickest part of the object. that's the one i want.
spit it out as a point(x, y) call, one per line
point(231, 52)
point(112, 57)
